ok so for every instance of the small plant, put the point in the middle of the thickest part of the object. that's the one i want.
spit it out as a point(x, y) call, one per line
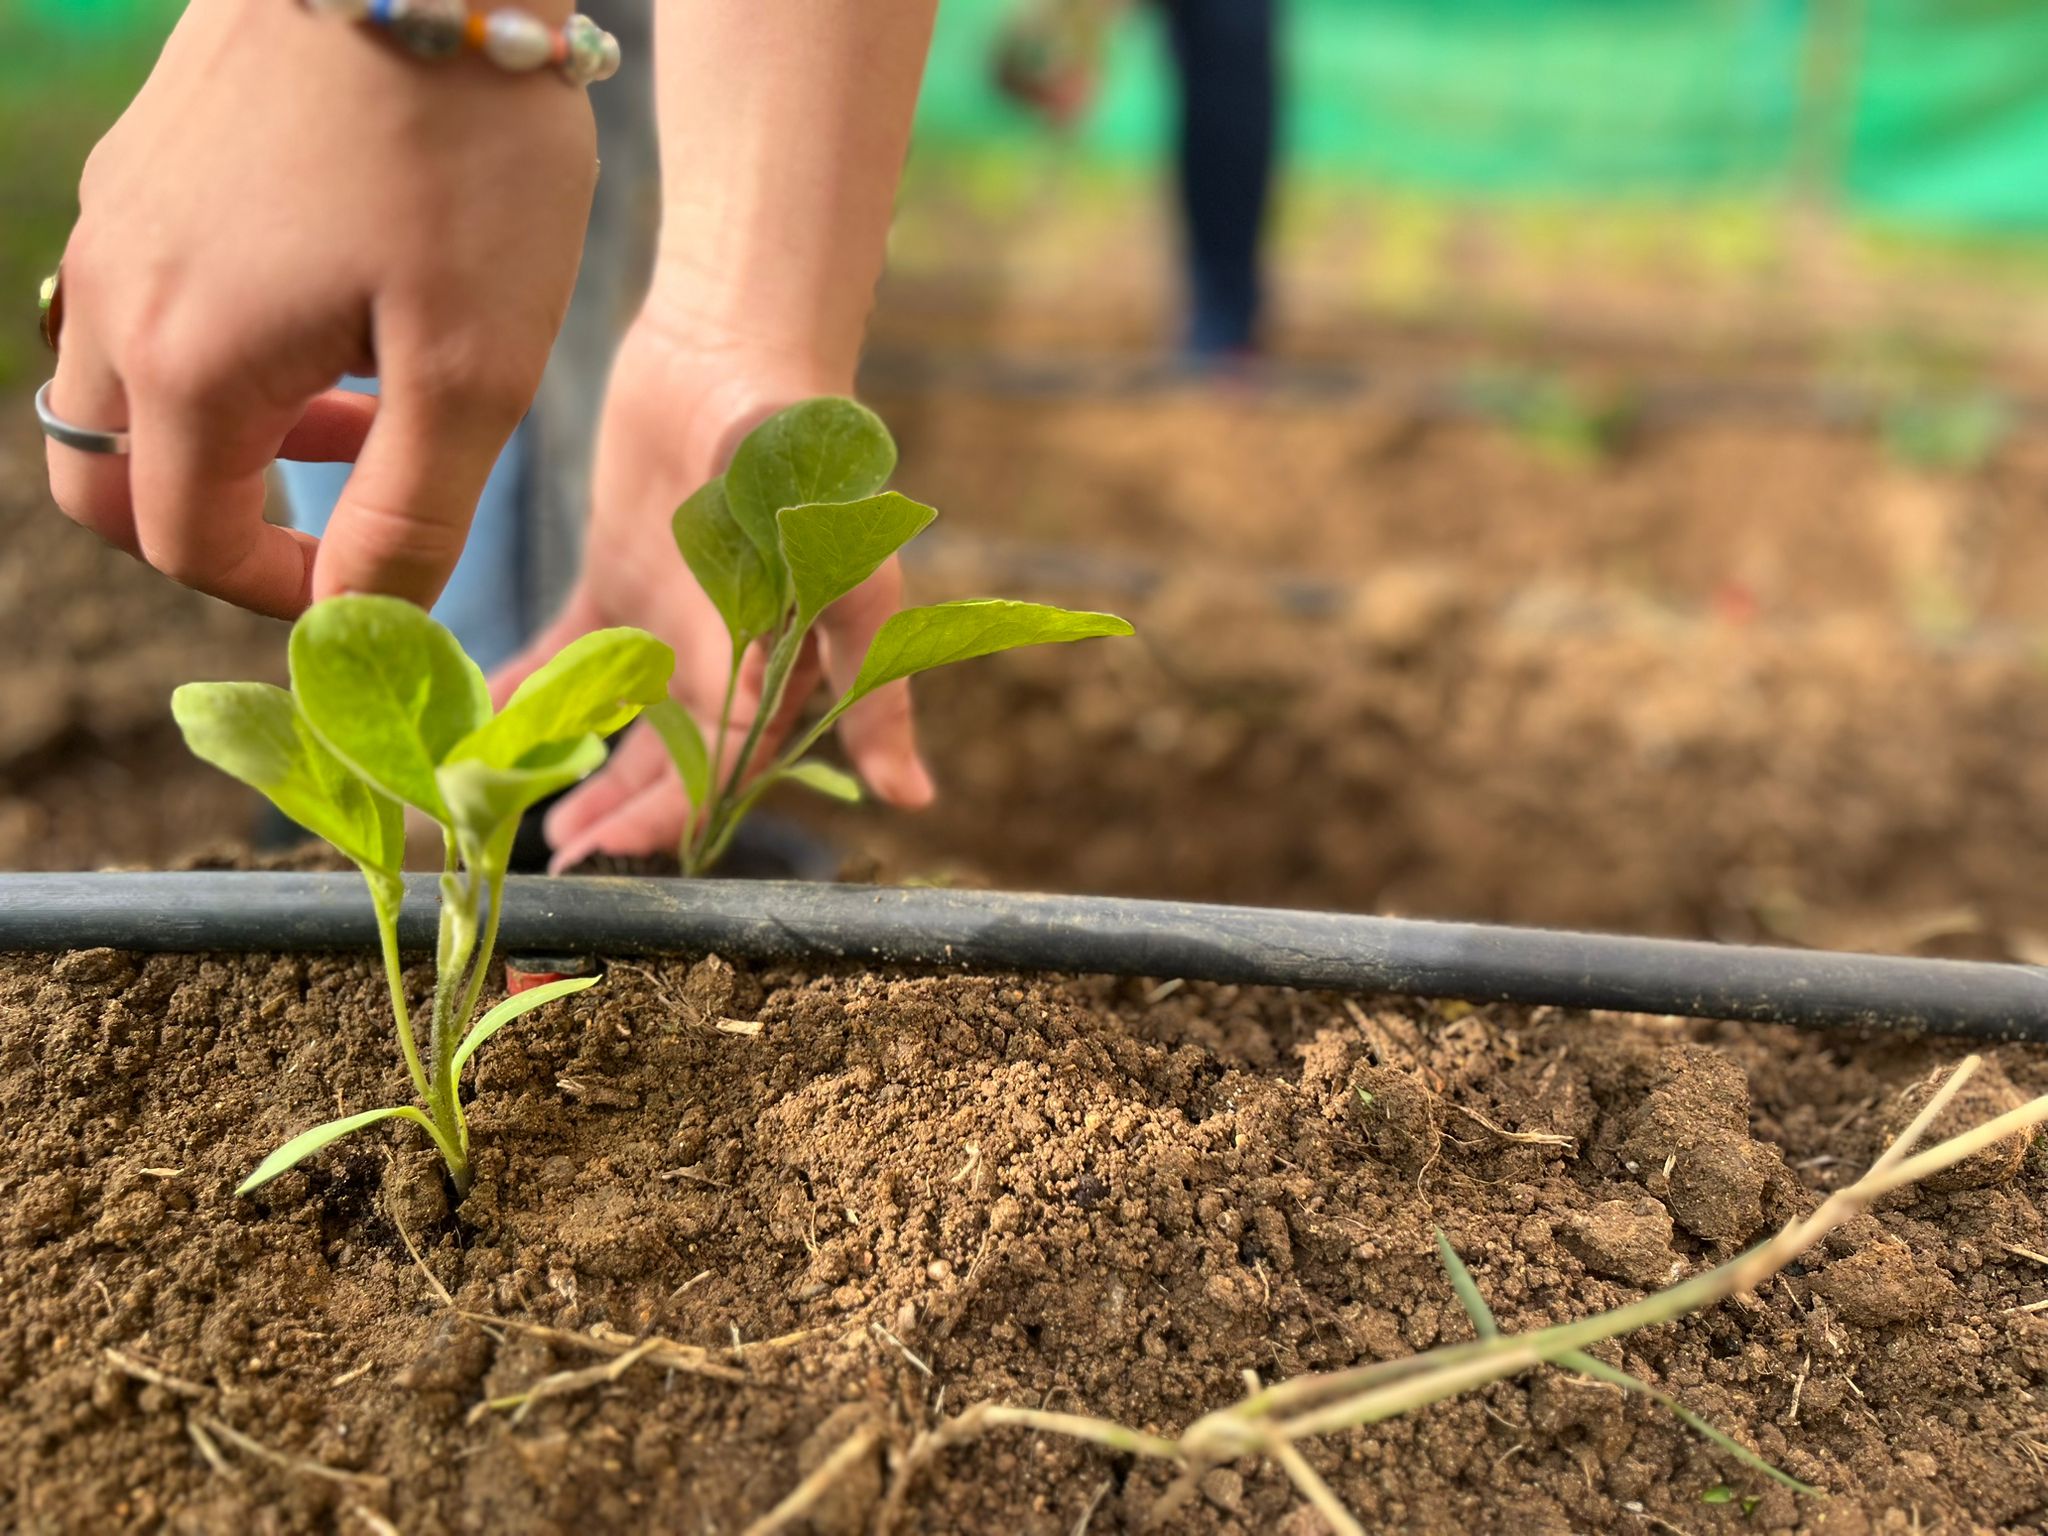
point(798, 522)
point(385, 711)
point(1955, 432)
point(1565, 421)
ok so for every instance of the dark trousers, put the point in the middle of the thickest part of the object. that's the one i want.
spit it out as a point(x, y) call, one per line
point(1224, 52)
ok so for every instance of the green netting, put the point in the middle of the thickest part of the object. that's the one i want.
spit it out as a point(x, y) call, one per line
point(1942, 113)
point(1941, 118)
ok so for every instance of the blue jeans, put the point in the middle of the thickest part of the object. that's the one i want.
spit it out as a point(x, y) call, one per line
point(485, 600)
point(1226, 56)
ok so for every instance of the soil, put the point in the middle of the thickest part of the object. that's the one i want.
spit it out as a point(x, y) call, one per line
point(1737, 677)
point(91, 768)
point(1741, 678)
point(905, 1194)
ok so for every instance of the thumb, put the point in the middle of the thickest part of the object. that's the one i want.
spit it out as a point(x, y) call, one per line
point(878, 733)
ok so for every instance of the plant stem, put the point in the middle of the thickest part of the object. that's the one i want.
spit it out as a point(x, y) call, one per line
point(726, 811)
point(736, 811)
point(703, 816)
point(451, 963)
point(485, 949)
point(394, 975)
point(732, 687)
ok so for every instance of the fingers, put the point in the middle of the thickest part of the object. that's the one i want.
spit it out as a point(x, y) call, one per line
point(635, 806)
point(579, 616)
point(91, 488)
point(804, 676)
point(440, 426)
point(197, 477)
point(640, 760)
point(878, 733)
point(650, 822)
point(189, 496)
point(333, 429)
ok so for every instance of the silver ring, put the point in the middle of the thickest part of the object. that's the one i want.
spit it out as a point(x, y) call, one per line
point(84, 439)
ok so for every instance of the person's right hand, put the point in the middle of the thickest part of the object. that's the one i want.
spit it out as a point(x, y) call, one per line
point(290, 199)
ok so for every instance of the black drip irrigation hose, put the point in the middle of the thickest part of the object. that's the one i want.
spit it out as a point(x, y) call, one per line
point(990, 930)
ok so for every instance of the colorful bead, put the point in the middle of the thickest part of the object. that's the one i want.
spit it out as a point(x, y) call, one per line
point(609, 58)
point(516, 41)
point(429, 29)
point(585, 43)
point(511, 39)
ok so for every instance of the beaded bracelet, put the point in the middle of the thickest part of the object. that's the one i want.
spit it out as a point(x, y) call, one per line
point(439, 29)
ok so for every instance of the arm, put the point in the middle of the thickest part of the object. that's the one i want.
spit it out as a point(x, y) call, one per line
point(784, 125)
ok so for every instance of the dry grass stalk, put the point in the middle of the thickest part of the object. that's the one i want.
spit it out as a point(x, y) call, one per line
point(1272, 1421)
point(805, 1496)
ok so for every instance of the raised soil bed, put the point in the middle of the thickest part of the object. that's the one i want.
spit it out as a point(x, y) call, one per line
point(903, 1194)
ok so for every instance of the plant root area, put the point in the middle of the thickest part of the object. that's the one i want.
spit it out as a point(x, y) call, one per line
point(734, 1228)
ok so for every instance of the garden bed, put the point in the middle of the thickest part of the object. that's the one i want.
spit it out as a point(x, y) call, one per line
point(902, 1194)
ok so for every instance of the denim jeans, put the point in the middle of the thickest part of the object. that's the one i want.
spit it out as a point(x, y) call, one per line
point(1225, 54)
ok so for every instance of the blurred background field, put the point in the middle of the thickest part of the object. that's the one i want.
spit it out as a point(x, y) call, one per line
point(1634, 519)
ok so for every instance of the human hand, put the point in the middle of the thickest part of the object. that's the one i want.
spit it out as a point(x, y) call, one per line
point(283, 203)
point(678, 404)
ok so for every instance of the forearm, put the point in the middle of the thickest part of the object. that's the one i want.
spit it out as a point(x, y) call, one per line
point(784, 125)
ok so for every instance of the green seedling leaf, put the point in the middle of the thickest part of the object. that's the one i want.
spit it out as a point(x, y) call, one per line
point(592, 686)
point(389, 690)
point(827, 449)
point(1578, 1360)
point(1467, 1289)
point(306, 1143)
point(678, 731)
point(832, 547)
point(833, 783)
point(1720, 1493)
point(255, 732)
point(1593, 1366)
point(482, 798)
point(919, 639)
point(516, 1006)
point(728, 565)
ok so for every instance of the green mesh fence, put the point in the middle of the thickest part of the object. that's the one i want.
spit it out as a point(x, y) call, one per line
point(1937, 113)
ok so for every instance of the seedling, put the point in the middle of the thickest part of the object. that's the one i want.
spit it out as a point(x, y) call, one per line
point(386, 711)
point(798, 522)
point(1565, 421)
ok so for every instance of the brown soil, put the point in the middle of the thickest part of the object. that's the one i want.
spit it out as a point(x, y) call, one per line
point(1593, 764)
point(907, 1194)
point(1739, 678)
point(91, 769)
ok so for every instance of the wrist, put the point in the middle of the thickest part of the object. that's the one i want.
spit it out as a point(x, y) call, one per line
point(733, 357)
point(758, 307)
point(516, 36)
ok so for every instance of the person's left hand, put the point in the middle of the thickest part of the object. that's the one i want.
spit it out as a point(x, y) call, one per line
point(677, 405)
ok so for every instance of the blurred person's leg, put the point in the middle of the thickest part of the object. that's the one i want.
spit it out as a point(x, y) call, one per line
point(1226, 56)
